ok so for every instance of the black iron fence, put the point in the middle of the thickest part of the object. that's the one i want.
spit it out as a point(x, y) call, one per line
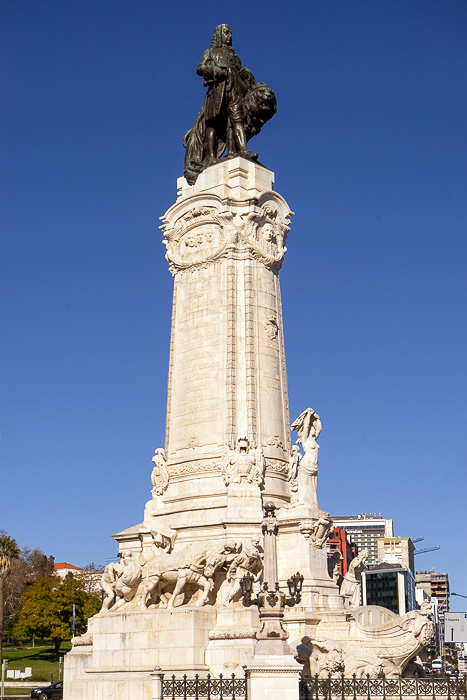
point(330, 688)
point(229, 688)
point(344, 688)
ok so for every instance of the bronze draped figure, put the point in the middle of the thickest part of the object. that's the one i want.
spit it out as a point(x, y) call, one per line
point(235, 108)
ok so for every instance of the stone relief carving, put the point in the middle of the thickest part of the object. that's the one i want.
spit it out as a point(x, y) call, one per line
point(265, 234)
point(243, 465)
point(373, 648)
point(319, 656)
point(271, 327)
point(194, 467)
point(120, 582)
point(275, 441)
point(162, 543)
point(247, 561)
point(194, 564)
point(159, 474)
point(292, 474)
point(334, 567)
point(351, 585)
point(308, 426)
point(277, 466)
point(237, 633)
point(82, 641)
point(317, 531)
point(198, 237)
point(193, 442)
point(418, 623)
point(108, 580)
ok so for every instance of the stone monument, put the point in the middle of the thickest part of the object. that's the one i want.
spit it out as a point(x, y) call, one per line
point(173, 603)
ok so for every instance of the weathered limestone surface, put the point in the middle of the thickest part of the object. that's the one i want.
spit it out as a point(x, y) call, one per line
point(225, 239)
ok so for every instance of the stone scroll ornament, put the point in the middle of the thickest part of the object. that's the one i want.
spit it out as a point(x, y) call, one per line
point(234, 109)
point(206, 232)
point(198, 237)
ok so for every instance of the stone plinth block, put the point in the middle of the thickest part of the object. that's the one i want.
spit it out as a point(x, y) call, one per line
point(126, 648)
point(273, 678)
point(232, 641)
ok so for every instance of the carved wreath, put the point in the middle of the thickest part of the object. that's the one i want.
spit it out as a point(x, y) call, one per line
point(196, 232)
point(265, 235)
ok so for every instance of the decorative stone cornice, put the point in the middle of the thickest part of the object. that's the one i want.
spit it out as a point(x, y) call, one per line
point(203, 228)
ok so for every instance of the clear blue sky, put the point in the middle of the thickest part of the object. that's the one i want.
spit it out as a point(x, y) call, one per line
point(369, 149)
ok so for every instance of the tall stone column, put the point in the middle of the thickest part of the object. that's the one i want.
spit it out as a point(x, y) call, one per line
point(227, 435)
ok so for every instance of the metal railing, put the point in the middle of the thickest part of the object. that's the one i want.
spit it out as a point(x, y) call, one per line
point(353, 688)
point(230, 688)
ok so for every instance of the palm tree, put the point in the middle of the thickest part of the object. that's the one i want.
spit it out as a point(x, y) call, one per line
point(8, 550)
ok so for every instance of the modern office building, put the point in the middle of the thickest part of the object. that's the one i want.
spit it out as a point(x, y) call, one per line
point(435, 585)
point(397, 550)
point(364, 530)
point(391, 586)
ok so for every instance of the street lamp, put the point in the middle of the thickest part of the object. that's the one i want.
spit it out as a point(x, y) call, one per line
point(272, 635)
point(459, 595)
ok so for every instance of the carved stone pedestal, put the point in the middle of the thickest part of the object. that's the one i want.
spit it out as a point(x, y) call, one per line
point(232, 641)
point(302, 544)
point(273, 678)
point(244, 503)
point(126, 647)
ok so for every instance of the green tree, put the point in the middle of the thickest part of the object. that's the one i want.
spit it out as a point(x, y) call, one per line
point(47, 610)
point(9, 550)
point(29, 566)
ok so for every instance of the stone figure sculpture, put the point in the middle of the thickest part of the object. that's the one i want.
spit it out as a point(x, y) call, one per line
point(334, 570)
point(162, 543)
point(120, 582)
point(243, 465)
point(292, 475)
point(352, 583)
point(248, 561)
point(308, 426)
point(235, 107)
point(319, 656)
point(108, 580)
point(194, 564)
point(317, 531)
point(419, 623)
point(159, 474)
point(372, 649)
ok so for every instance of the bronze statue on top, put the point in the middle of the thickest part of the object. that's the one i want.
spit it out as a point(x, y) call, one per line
point(235, 108)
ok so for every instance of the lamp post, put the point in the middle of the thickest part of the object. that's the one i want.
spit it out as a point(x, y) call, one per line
point(272, 637)
point(459, 595)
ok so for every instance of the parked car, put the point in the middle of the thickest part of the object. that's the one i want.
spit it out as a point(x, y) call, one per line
point(54, 690)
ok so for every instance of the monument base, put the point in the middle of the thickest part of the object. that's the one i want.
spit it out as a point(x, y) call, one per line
point(273, 678)
point(121, 650)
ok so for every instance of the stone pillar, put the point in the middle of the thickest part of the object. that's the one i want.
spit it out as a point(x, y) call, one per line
point(273, 678)
point(156, 684)
point(225, 238)
point(270, 527)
